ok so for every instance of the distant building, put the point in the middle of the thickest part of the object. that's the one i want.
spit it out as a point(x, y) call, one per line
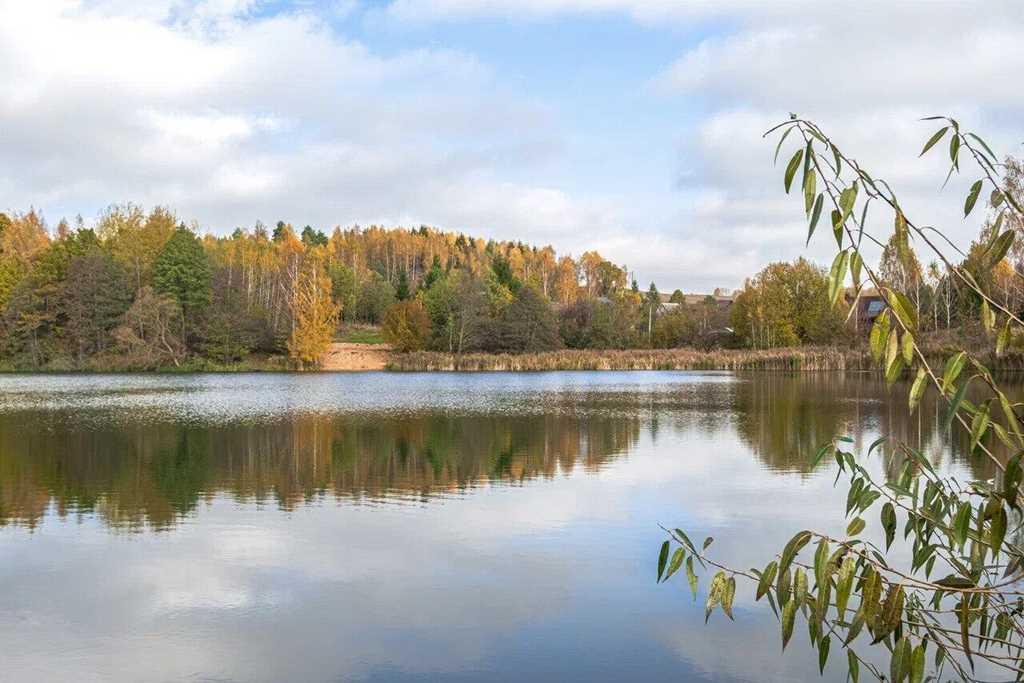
point(870, 305)
point(722, 298)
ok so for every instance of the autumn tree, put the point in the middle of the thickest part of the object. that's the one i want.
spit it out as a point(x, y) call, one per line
point(406, 326)
point(315, 316)
point(149, 335)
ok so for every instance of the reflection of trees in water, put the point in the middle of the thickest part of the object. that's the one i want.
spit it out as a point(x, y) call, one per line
point(154, 473)
point(134, 473)
point(785, 418)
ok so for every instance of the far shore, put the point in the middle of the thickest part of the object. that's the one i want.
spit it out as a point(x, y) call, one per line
point(359, 357)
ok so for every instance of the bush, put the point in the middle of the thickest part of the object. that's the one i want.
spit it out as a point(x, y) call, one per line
point(407, 326)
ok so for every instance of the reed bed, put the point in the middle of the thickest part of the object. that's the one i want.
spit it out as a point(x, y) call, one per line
point(793, 359)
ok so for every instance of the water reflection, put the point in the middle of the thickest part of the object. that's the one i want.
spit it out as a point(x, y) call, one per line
point(154, 473)
point(80, 452)
point(413, 527)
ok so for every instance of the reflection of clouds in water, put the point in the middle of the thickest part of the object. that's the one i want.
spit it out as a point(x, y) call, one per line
point(541, 568)
point(356, 581)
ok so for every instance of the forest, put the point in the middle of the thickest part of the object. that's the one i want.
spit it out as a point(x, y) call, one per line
point(142, 290)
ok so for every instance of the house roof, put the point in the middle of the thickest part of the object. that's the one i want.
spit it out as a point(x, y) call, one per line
point(692, 299)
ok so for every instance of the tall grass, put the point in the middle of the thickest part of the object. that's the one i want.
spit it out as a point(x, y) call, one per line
point(803, 359)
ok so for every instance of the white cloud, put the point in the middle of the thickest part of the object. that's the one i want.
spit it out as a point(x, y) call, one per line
point(865, 71)
point(232, 115)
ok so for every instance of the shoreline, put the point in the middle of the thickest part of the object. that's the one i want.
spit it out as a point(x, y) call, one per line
point(352, 357)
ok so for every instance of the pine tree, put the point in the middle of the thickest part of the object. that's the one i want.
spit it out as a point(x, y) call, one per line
point(182, 272)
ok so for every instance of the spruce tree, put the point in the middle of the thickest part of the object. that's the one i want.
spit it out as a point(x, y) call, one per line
point(182, 272)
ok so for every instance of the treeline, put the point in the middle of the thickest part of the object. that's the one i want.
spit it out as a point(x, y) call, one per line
point(141, 290)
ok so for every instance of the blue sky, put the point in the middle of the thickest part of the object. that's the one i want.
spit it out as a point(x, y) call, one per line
point(627, 126)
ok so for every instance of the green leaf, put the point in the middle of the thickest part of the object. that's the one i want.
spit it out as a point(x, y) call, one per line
point(856, 262)
point(893, 361)
point(793, 548)
point(691, 577)
point(844, 585)
point(707, 542)
point(675, 564)
point(837, 227)
point(931, 141)
point(879, 335)
point(823, 646)
point(972, 198)
point(662, 559)
point(979, 425)
point(965, 624)
point(889, 524)
point(954, 150)
point(715, 593)
point(781, 140)
point(900, 657)
point(999, 247)
point(953, 367)
point(961, 523)
point(1003, 338)
point(810, 190)
point(728, 593)
point(815, 215)
point(837, 276)
point(799, 586)
point(954, 406)
point(917, 664)
point(985, 146)
point(792, 167)
point(853, 666)
point(1012, 479)
point(988, 318)
point(907, 348)
point(952, 581)
point(788, 615)
point(917, 389)
point(997, 530)
point(767, 576)
point(902, 307)
point(856, 526)
point(847, 200)
point(782, 587)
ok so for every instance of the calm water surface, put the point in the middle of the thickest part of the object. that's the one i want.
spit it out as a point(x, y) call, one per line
point(412, 527)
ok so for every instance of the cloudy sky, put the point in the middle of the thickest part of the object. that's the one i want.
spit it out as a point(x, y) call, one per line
point(629, 126)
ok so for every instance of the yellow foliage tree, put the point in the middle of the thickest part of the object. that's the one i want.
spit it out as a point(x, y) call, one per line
point(314, 314)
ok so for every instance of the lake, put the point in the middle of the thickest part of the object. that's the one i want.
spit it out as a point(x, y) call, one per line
point(414, 527)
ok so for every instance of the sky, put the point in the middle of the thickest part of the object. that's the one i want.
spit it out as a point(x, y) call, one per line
point(633, 127)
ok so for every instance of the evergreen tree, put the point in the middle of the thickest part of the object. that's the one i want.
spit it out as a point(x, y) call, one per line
point(434, 274)
point(528, 324)
point(402, 290)
point(96, 293)
point(182, 272)
point(313, 238)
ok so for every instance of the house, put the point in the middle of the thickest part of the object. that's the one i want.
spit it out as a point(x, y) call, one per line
point(722, 298)
point(870, 305)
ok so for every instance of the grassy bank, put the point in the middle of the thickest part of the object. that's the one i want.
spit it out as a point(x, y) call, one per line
point(806, 359)
point(803, 359)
